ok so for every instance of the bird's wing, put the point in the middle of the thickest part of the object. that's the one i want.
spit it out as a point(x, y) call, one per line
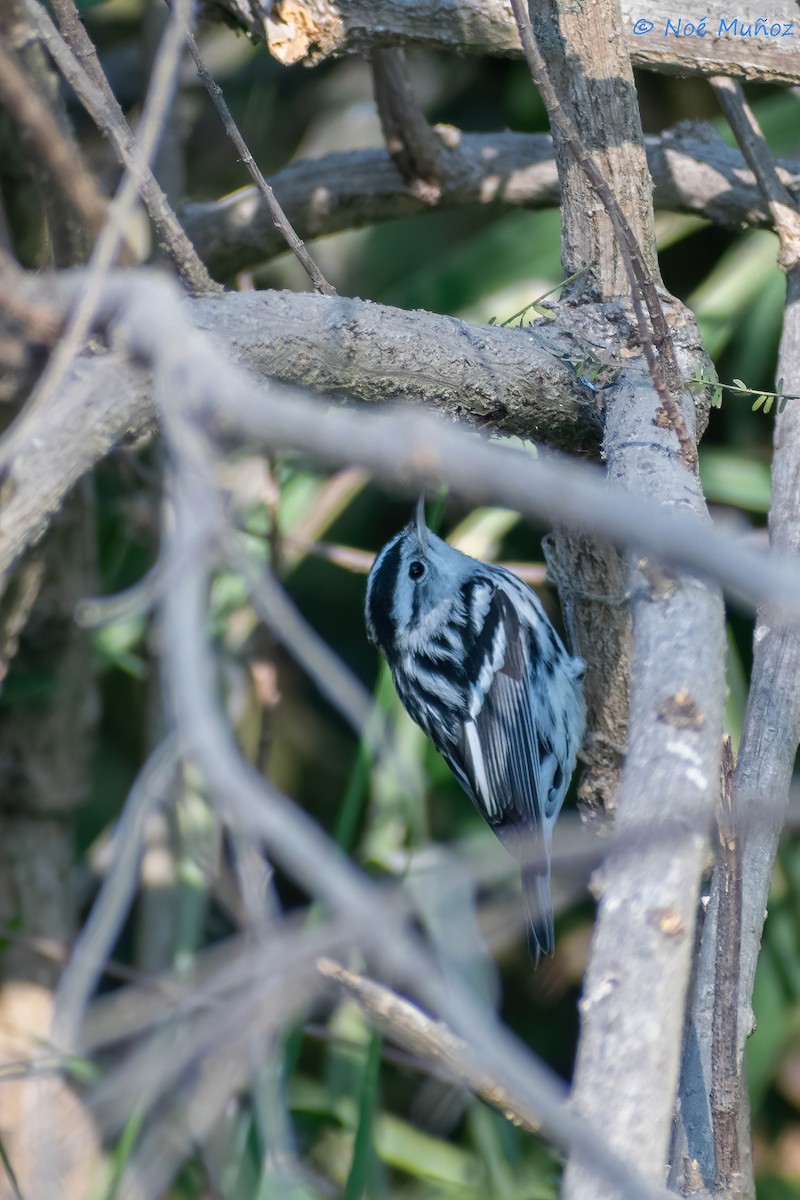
point(505, 756)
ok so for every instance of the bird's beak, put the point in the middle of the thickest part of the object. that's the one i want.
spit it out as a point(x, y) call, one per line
point(422, 529)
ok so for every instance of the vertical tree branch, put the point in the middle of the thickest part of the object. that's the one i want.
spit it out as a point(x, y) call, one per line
point(725, 1089)
point(771, 728)
point(593, 25)
point(635, 990)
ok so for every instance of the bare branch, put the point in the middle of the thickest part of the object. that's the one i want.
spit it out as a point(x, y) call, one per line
point(768, 747)
point(654, 332)
point(414, 1031)
point(781, 203)
point(634, 992)
point(693, 171)
point(366, 350)
point(279, 218)
point(725, 1070)
point(316, 29)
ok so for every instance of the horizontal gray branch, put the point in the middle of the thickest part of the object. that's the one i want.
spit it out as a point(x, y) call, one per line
point(512, 378)
point(404, 449)
point(733, 40)
point(693, 171)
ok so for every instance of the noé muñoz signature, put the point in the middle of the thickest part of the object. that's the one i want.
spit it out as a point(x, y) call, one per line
point(734, 26)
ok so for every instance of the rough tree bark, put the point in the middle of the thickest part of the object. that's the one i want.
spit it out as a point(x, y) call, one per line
point(635, 988)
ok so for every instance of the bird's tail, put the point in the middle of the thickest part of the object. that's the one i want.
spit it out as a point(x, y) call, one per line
point(536, 888)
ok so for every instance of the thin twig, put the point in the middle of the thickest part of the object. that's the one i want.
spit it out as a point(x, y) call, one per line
point(417, 1033)
point(725, 1086)
point(103, 108)
point(657, 346)
point(413, 145)
point(279, 218)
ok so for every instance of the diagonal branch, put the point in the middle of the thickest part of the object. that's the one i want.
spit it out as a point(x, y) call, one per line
point(414, 147)
point(414, 1031)
point(278, 216)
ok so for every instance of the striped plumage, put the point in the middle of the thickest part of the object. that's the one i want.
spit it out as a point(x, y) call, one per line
point(480, 668)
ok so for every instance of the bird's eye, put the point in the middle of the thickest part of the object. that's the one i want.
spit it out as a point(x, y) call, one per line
point(416, 569)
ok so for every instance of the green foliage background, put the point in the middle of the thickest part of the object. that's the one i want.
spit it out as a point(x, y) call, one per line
point(366, 1123)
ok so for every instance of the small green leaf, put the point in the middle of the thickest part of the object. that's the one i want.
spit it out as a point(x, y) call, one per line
point(770, 400)
point(758, 402)
point(740, 385)
point(492, 321)
point(716, 398)
point(779, 388)
point(784, 400)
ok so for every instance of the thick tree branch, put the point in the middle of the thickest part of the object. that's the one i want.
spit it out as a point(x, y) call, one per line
point(516, 380)
point(635, 987)
point(405, 452)
point(586, 246)
point(317, 29)
point(693, 171)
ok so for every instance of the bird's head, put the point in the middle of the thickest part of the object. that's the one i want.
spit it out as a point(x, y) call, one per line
point(414, 583)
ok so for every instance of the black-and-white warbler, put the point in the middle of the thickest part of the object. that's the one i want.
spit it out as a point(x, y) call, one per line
point(480, 668)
